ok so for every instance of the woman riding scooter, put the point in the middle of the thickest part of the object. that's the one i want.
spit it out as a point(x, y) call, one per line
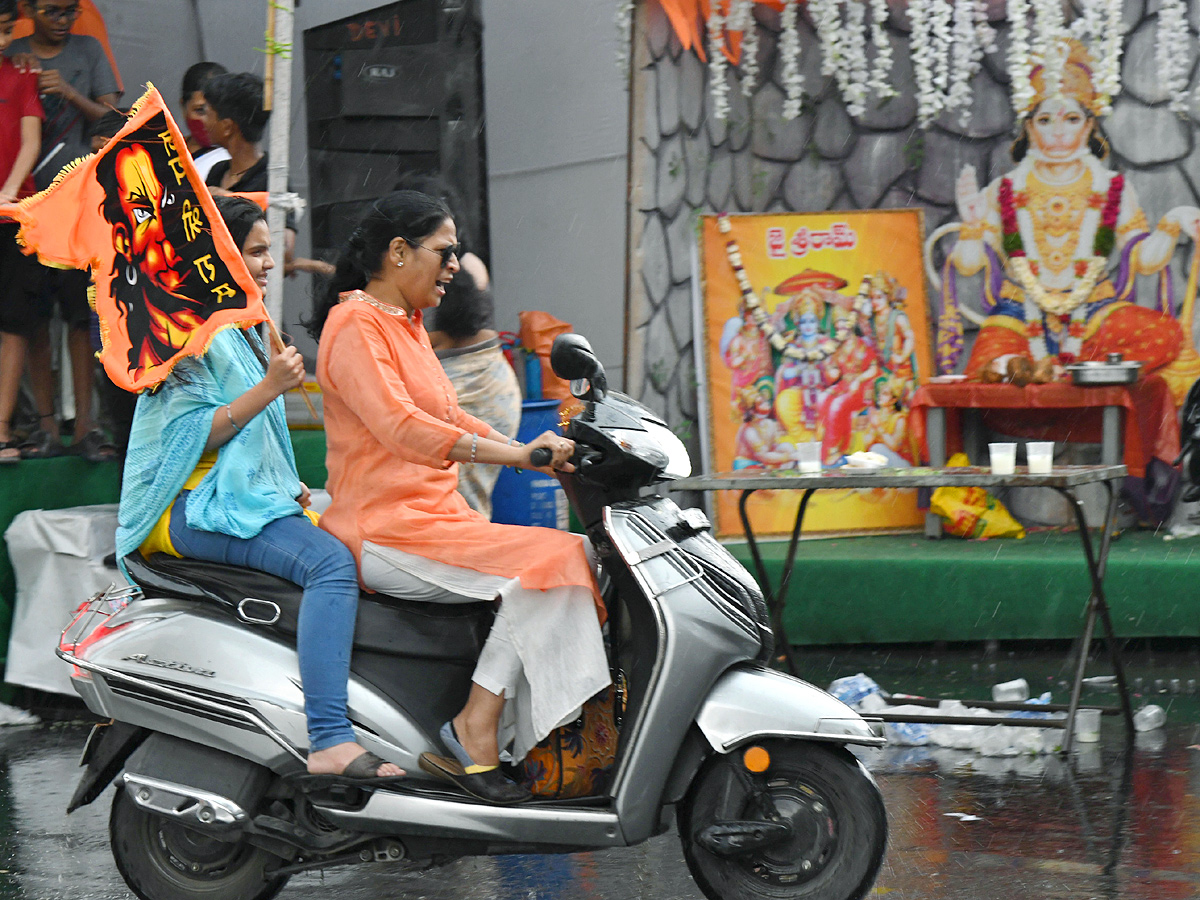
point(210, 474)
point(394, 430)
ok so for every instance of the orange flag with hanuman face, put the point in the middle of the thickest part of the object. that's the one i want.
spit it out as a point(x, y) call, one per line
point(167, 274)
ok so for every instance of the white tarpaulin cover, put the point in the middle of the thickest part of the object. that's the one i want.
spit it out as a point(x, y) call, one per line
point(58, 558)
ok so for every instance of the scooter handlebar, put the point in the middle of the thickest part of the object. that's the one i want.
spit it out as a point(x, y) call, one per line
point(540, 456)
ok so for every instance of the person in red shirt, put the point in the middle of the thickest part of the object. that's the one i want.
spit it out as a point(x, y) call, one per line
point(20, 140)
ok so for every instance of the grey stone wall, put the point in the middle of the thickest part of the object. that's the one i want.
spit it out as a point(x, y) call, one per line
point(685, 163)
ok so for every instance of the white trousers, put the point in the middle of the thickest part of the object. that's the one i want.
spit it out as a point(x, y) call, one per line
point(499, 666)
point(545, 651)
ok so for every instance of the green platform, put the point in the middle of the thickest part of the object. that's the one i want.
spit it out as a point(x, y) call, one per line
point(872, 590)
point(72, 481)
point(905, 588)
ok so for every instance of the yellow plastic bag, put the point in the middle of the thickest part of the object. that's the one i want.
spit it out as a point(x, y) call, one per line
point(971, 512)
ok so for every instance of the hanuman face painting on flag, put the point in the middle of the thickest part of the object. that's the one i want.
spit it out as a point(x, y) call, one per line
point(166, 277)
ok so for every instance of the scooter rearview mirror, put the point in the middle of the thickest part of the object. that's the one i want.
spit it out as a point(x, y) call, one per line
point(572, 358)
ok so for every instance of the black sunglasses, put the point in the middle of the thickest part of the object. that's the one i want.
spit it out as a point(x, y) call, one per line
point(445, 252)
point(58, 14)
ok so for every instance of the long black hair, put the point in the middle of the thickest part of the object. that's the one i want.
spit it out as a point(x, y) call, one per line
point(240, 215)
point(465, 310)
point(409, 215)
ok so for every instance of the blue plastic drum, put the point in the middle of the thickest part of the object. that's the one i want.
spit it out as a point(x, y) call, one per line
point(531, 498)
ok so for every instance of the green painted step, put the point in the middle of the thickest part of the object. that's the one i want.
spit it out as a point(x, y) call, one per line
point(905, 588)
point(67, 481)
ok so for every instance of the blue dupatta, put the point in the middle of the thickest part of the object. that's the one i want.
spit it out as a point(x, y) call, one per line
point(253, 481)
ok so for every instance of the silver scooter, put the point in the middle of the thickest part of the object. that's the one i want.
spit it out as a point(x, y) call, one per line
point(197, 669)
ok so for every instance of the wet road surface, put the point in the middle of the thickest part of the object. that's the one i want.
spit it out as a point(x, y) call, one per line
point(1111, 822)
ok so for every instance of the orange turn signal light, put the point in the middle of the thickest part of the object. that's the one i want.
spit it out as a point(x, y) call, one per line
point(756, 759)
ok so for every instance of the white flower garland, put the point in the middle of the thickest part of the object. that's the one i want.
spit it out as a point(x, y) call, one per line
point(948, 41)
point(965, 58)
point(881, 78)
point(717, 64)
point(1171, 52)
point(930, 100)
point(940, 13)
point(1049, 44)
point(1055, 302)
point(1088, 28)
point(853, 71)
point(1071, 345)
point(1019, 62)
point(827, 21)
point(789, 49)
point(1108, 72)
point(741, 18)
point(985, 34)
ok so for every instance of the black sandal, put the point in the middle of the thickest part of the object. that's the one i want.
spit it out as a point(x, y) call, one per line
point(41, 445)
point(359, 773)
point(95, 447)
point(487, 783)
point(10, 445)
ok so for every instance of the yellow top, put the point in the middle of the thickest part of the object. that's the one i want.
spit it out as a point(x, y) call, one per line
point(159, 538)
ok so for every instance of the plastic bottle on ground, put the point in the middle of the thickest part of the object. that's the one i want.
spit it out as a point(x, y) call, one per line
point(852, 689)
point(1149, 717)
point(1013, 691)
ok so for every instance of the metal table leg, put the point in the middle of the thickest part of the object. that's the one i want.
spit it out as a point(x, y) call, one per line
point(935, 437)
point(1097, 606)
point(776, 599)
point(1112, 445)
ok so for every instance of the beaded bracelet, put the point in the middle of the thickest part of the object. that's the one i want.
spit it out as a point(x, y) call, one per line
point(229, 415)
point(474, 446)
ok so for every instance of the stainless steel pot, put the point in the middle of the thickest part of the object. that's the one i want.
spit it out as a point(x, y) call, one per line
point(1096, 373)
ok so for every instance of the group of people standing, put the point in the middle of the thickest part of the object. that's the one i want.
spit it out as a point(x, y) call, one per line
point(61, 96)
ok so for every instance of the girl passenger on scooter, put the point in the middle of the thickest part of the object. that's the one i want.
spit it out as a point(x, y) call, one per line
point(394, 431)
point(210, 474)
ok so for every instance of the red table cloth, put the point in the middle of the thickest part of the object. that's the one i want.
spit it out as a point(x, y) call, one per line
point(1058, 412)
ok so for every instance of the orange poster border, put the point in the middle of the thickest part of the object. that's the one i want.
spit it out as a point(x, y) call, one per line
point(772, 512)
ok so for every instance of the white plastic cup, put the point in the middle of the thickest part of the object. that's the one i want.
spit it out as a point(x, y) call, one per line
point(1041, 457)
point(1015, 691)
point(1149, 717)
point(1087, 725)
point(1003, 458)
point(808, 456)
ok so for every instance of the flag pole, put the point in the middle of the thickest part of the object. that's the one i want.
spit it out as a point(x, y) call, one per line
point(277, 346)
point(277, 97)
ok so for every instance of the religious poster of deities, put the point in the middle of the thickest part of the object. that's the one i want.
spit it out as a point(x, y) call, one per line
point(812, 328)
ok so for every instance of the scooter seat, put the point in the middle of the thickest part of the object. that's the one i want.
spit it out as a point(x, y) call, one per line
point(385, 624)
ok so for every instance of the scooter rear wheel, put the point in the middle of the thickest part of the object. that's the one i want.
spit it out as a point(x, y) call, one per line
point(163, 860)
point(834, 808)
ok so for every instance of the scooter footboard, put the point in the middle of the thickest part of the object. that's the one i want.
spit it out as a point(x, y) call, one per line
point(751, 702)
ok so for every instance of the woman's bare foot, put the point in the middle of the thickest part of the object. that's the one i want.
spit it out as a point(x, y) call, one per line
point(333, 761)
point(476, 726)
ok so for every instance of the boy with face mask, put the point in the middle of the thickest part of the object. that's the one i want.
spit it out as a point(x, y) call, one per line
point(205, 151)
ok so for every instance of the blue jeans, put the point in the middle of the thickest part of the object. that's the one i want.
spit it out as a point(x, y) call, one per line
point(295, 549)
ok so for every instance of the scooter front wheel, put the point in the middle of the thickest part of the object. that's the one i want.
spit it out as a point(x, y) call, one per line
point(826, 827)
point(162, 860)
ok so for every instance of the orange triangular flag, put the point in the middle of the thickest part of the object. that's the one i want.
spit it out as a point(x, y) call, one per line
point(167, 274)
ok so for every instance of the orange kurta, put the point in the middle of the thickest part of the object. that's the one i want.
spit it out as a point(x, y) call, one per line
point(391, 417)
